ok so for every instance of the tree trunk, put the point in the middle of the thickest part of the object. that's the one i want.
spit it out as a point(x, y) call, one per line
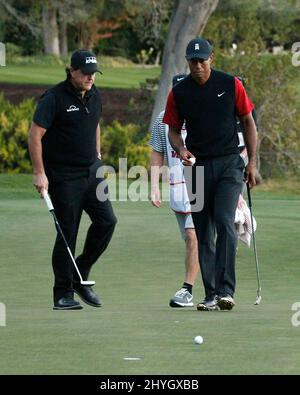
point(157, 58)
point(63, 38)
point(188, 20)
point(50, 31)
point(63, 31)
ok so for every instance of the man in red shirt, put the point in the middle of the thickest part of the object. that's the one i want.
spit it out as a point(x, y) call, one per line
point(208, 101)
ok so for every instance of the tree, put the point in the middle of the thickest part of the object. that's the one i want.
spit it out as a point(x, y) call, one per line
point(188, 20)
point(272, 80)
point(21, 18)
point(149, 21)
point(63, 31)
point(57, 16)
point(100, 20)
point(50, 29)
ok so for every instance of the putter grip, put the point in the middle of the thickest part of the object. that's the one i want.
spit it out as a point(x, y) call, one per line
point(48, 200)
point(249, 195)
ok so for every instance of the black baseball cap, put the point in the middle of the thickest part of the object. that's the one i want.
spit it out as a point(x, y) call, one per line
point(85, 61)
point(198, 48)
point(177, 78)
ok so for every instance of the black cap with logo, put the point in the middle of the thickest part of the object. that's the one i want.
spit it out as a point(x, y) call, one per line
point(85, 61)
point(198, 48)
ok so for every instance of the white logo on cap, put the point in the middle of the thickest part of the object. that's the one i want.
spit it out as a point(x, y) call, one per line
point(197, 46)
point(90, 59)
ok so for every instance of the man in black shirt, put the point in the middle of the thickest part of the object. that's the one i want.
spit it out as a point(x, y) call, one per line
point(64, 144)
point(207, 101)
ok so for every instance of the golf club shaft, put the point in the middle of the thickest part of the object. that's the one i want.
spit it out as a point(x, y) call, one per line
point(51, 209)
point(65, 241)
point(254, 241)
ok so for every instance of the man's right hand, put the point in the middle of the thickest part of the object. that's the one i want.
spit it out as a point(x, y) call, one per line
point(185, 156)
point(40, 181)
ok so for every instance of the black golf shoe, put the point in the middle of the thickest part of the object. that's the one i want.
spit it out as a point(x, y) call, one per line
point(87, 294)
point(67, 303)
point(226, 302)
point(208, 304)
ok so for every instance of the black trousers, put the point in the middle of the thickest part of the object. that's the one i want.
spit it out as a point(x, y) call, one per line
point(214, 224)
point(73, 191)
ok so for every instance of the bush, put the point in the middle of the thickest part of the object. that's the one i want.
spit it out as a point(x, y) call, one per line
point(124, 141)
point(117, 141)
point(117, 61)
point(12, 51)
point(15, 122)
point(14, 57)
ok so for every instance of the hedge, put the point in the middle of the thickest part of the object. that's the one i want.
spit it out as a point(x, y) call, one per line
point(117, 140)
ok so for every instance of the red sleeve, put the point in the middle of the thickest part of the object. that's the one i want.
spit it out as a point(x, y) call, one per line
point(243, 104)
point(171, 117)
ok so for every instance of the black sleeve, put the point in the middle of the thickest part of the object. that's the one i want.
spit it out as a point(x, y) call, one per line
point(45, 110)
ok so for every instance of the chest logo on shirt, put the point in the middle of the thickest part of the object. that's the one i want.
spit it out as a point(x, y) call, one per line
point(72, 108)
point(221, 94)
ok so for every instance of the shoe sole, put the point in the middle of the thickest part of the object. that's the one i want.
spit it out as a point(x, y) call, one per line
point(86, 301)
point(204, 308)
point(225, 305)
point(68, 308)
point(178, 304)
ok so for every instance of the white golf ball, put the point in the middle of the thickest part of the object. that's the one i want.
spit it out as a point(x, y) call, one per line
point(198, 340)
point(193, 160)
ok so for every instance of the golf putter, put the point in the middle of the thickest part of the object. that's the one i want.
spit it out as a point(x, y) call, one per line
point(51, 209)
point(258, 297)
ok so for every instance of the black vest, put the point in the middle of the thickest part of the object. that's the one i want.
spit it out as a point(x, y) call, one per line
point(209, 113)
point(71, 139)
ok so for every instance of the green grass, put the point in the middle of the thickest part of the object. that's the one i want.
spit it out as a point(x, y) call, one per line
point(121, 77)
point(142, 268)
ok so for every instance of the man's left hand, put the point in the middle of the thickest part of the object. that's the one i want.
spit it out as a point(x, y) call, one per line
point(250, 171)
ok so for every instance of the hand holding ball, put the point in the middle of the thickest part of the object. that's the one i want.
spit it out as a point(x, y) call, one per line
point(189, 161)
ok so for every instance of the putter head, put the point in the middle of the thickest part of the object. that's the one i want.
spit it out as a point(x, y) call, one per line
point(258, 300)
point(87, 282)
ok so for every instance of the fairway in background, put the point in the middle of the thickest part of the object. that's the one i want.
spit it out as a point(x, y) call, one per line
point(118, 77)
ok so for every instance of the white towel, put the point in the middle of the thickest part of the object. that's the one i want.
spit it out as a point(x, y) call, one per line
point(243, 222)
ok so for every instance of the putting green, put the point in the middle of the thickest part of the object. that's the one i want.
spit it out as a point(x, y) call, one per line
point(140, 271)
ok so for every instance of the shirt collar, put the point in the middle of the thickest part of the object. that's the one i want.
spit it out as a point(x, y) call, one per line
point(71, 88)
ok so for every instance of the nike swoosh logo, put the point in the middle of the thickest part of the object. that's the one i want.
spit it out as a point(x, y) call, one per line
point(179, 79)
point(189, 299)
point(221, 94)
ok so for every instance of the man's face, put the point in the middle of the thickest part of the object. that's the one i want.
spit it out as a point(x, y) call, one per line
point(200, 68)
point(82, 82)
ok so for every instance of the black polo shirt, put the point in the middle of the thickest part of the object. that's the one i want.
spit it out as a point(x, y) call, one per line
point(71, 122)
point(209, 112)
